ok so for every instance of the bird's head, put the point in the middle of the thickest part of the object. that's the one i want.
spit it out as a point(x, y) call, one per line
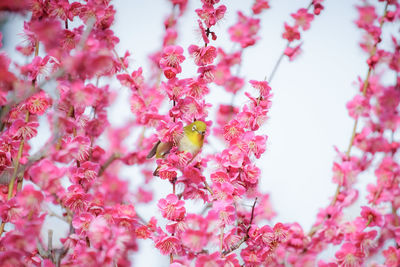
point(197, 127)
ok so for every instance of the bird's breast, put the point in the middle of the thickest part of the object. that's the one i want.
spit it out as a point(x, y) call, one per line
point(191, 144)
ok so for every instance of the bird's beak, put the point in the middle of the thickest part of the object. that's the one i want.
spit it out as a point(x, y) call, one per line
point(200, 132)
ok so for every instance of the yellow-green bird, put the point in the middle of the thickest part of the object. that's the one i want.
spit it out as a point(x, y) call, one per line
point(191, 141)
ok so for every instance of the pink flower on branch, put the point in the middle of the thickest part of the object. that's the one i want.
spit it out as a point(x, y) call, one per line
point(303, 18)
point(168, 245)
point(211, 15)
point(245, 30)
point(170, 61)
point(259, 6)
point(203, 55)
point(172, 208)
point(291, 33)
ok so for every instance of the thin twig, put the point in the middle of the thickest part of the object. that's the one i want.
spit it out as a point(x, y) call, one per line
point(53, 214)
point(208, 187)
point(354, 131)
point(221, 240)
point(108, 162)
point(277, 64)
point(246, 237)
point(50, 240)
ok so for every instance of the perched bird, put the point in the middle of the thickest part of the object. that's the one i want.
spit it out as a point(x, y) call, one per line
point(190, 141)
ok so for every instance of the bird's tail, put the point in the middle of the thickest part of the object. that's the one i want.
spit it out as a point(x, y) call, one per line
point(155, 173)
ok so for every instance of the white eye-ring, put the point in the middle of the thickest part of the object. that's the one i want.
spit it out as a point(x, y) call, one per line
point(194, 128)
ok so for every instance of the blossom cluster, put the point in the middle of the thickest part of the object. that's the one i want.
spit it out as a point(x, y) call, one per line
point(65, 83)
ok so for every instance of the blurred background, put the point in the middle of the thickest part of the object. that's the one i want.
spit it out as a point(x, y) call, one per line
point(308, 115)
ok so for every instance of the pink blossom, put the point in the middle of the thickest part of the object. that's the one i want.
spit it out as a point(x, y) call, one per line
point(232, 158)
point(366, 241)
point(348, 255)
point(233, 130)
point(213, 259)
point(49, 32)
point(172, 208)
point(203, 55)
point(170, 61)
point(99, 231)
point(168, 245)
point(318, 7)
point(144, 196)
point(233, 84)
point(75, 199)
point(133, 81)
point(60, 9)
point(345, 173)
point(197, 89)
point(167, 172)
point(190, 109)
point(82, 222)
point(387, 172)
point(367, 16)
point(372, 217)
point(303, 18)
point(245, 30)
point(231, 260)
point(206, 73)
point(85, 174)
point(79, 147)
point(259, 6)
point(293, 52)
point(359, 106)
point(225, 114)
point(210, 15)
point(37, 104)
point(250, 174)
point(31, 199)
point(223, 191)
point(226, 213)
point(291, 33)
point(170, 37)
point(21, 129)
point(251, 144)
point(280, 232)
point(392, 257)
point(262, 87)
point(47, 176)
point(195, 240)
point(251, 257)
point(203, 32)
point(175, 88)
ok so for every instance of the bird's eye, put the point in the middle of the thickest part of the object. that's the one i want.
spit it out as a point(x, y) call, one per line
point(194, 128)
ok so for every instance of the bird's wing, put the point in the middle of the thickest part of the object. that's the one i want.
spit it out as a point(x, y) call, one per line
point(163, 149)
point(153, 150)
point(160, 149)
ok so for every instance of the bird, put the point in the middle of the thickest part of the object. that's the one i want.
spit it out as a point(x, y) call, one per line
point(191, 141)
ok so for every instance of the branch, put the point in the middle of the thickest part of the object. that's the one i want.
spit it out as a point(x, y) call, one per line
point(246, 237)
point(354, 131)
point(252, 216)
point(208, 187)
point(108, 162)
point(277, 64)
point(364, 92)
